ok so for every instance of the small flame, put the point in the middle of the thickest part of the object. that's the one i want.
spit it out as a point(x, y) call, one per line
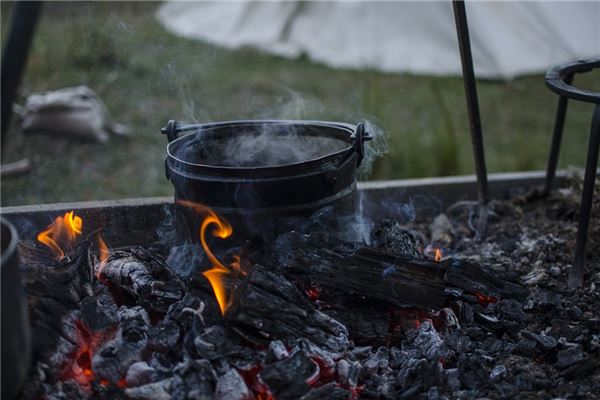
point(62, 234)
point(103, 254)
point(438, 255)
point(219, 272)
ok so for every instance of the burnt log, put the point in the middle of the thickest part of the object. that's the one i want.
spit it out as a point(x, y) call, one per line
point(54, 292)
point(369, 273)
point(267, 306)
point(474, 278)
point(144, 275)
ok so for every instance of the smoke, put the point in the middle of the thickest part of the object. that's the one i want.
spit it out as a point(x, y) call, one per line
point(184, 258)
point(266, 145)
point(374, 148)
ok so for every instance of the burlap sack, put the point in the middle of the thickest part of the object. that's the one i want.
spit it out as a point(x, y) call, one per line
point(75, 112)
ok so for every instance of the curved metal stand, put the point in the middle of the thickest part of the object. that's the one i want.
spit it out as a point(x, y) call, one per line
point(559, 79)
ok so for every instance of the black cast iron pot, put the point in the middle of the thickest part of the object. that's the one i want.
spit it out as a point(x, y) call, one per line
point(257, 172)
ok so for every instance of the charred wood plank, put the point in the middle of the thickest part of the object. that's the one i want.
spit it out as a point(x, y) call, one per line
point(268, 306)
point(399, 281)
point(474, 278)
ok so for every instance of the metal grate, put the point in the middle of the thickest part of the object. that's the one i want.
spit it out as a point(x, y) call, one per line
point(559, 79)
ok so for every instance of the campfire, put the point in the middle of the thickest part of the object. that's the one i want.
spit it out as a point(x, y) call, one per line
point(312, 315)
point(272, 277)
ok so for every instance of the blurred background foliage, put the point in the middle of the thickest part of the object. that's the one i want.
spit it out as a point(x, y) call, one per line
point(146, 76)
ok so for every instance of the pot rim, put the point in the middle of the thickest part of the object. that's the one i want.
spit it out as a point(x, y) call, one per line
point(231, 171)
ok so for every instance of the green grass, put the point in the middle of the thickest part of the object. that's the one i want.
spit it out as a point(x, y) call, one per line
point(147, 76)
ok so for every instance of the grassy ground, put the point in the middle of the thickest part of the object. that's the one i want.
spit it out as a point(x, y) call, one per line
point(147, 76)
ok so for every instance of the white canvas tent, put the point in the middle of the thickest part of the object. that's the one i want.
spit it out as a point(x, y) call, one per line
point(508, 38)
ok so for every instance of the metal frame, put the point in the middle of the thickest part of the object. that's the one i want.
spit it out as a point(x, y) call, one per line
point(24, 18)
point(464, 43)
point(559, 79)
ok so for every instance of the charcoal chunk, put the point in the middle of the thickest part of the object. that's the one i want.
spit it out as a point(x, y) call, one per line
point(392, 237)
point(139, 373)
point(545, 342)
point(231, 386)
point(288, 379)
point(277, 350)
point(154, 391)
point(95, 316)
point(498, 373)
point(582, 369)
point(329, 391)
point(473, 371)
point(527, 347)
point(114, 358)
point(419, 375)
point(569, 356)
point(163, 336)
point(193, 379)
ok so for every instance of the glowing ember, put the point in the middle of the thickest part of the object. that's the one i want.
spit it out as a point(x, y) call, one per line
point(438, 255)
point(218, 274)
point(60, 236)
point(252, 378)
point(312, 292)
point(79, 367)
point(484, 300)
point(103, 254)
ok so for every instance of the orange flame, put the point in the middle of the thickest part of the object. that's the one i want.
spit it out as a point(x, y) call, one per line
point(219, 272)
point(103, 254)
point(62, 233)
point(438, 255)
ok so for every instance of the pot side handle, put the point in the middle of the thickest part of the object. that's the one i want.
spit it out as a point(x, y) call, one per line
point(174, 128)
point(171, 130)
point(360, 136)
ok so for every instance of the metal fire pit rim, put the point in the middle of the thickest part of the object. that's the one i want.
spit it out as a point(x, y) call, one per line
point(133, 221)
point(533, 177)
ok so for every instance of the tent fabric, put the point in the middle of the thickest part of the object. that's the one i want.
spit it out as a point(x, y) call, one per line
point(508, 38)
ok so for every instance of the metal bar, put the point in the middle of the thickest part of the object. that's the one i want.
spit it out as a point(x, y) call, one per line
point(464, 43)
point(14, 57)
point(587, 196)
point(559, 124)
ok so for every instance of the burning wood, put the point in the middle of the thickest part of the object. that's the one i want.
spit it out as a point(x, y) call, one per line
point(311, 317)
point(268, 307)
point(144, 275)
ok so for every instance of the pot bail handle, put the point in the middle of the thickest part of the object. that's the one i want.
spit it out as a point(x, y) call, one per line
point(361, 135)
point(171, 130)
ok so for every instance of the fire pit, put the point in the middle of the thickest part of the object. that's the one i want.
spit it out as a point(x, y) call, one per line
point(424, 310)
